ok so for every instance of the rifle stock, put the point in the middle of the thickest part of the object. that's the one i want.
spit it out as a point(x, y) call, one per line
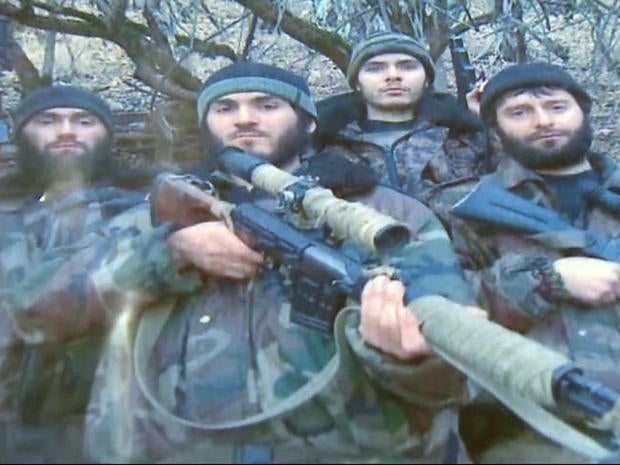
point(500, 360)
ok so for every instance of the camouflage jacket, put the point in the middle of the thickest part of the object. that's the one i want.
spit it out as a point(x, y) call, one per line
point(513, 271)
point(424, 156)
point(49, 340)
point(227, 350)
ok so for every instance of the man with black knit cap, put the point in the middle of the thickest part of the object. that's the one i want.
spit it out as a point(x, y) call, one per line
point(47, 353)
point(547, 285)
point(231, 377)
point(411, 135)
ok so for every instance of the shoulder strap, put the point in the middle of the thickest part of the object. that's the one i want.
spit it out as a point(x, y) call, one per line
point(150, 327)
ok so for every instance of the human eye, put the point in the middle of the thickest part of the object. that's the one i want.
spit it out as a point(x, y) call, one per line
point(222, 108)
point(86, 120)
point(270, 105)
point(373, 67)
point(558, 106)
point(44, 119)
point(409, 65)
point(518, 112)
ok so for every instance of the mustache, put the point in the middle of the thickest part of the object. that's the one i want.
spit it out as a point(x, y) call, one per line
point(59, 143)
point(249, 132)
point(548, 133)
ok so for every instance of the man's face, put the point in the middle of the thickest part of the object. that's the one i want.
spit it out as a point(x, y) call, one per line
point(64, 142)
point(391, 81)
point(65, 133)
point(258, 123)
point(543, 129)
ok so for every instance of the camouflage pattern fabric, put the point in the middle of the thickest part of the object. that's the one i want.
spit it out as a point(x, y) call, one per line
point(227, 350)
point(502, 266)
point(415, 160)
point(50, 339)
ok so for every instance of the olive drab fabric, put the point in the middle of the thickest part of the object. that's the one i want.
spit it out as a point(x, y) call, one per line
point(225, 351)
point(50, 340)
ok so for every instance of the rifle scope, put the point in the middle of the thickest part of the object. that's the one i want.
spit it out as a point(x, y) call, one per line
point(347, 220)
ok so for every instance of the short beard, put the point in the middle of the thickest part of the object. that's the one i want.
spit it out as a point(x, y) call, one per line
point(290, 145)
point(43, 169)
point(571, 153)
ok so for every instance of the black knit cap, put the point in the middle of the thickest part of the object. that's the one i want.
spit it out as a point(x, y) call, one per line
point(61, 96)
point(248, 76)
point(529, 75)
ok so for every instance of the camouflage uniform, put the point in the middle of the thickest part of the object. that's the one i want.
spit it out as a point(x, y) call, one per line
point(49, 341)
point(417, 159)
point(227, 351)
point(513, 271)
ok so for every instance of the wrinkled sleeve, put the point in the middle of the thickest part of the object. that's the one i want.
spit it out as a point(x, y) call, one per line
point(430, 383)
point(521, 288)
point(70, 291)
point(517, 288)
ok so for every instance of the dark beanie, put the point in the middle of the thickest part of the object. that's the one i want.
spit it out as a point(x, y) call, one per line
point(60, 96)
point(388, 42)
point(247, 76)
point(529, 75)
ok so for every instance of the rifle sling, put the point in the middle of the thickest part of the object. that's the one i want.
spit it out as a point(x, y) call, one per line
point(149, 329)
point(152, 323)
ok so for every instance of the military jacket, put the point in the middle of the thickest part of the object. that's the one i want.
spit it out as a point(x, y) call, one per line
point(49, 338)
point(424, 156)
point(227, 351)
point(514, 275)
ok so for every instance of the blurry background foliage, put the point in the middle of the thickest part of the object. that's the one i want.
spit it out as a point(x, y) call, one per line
point(144, 55)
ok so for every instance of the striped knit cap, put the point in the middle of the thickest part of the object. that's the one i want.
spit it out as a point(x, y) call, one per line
point(247, 76)
point(388, 42)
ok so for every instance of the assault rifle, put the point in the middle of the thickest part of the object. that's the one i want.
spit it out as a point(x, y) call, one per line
point(543, 379)
point(492, 204)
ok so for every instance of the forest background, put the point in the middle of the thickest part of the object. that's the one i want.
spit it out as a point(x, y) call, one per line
point(148, 58)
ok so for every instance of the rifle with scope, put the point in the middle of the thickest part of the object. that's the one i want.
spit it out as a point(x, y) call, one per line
point(324, 277)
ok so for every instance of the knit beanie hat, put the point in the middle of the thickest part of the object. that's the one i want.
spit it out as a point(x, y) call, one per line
point(61, 96)
point(247, 76)
point(388, 42)
point(529, 75)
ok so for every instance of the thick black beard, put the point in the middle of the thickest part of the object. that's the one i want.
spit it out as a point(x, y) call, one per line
point(41, 169)
point(571, 153)
point(290, 145)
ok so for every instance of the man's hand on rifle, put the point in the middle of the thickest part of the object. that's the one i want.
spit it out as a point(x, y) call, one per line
point(387, 324)
point(215, 250)
point(591, 281)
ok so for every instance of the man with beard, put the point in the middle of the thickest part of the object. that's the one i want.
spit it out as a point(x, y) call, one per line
point(49, 350)
point(542, 285)
point(411, 135)
point(217, 341)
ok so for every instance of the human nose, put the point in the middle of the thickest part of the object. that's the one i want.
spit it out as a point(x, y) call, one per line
point(542, 117)
point(245, 115)
point(66, 128)
point(393, 73)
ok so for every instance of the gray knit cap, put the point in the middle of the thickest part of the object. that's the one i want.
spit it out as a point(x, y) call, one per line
point(388, 42)
point(247, 76)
